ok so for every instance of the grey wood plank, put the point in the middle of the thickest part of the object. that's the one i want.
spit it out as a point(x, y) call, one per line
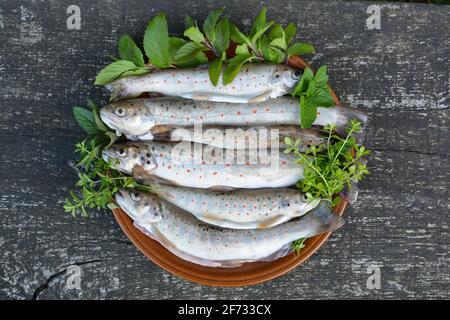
point(399, 75)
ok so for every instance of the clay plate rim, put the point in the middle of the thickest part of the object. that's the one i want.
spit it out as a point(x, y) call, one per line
point(247, 274)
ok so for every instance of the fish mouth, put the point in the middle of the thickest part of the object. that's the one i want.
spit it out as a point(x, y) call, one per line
point(110, 120)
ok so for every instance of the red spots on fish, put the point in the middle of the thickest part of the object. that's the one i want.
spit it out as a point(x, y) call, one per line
point(226, 205)
point(193, 200)
point(161, 155)
point(282, 111)
point(244, 206)
point(254, 78)
point(178, 81)
point(214, 173)
point(241, 175)
point(238, 113)
point(267, 109)
point(237, 241)
point(222, 115)
point(227, 165)
point(195, 81)
point(201, 117)
point(255, 111)
point(204, 202)
point(188, 171)
point(235, 206)
point(203, 162)
point(283, 162)
point(206, 81)
point(169, 167)
point(254, 207)
point(247, 122)
point(266, 237)
point(187, 118)
point(318, 113)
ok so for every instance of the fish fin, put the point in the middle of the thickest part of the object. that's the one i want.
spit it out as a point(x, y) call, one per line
point(162, 133)
point(280, 253)
point(350, 192)
point(119, 90)
point(319, 220)
point(143, 137)
point(196, 96)
point(346, 116)
point(142, 176)
point(262, 97)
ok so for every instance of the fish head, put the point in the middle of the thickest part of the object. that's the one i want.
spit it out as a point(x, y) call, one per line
point(140, 206)
point(285, 79)
point(125, 156)
point(129, 117)
point(298, 203)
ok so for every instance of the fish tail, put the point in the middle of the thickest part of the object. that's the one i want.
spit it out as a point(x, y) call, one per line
point(350, 192)
point(346, 115)
point(319, 220)
point(120, 89)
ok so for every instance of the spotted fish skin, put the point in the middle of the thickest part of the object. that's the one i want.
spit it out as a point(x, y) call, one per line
point(239, 209)
point(189, 238)
point(143, 118)
point(178, 164)
point(255, 82)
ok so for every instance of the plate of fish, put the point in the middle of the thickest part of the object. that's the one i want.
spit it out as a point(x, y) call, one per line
point(216, 222)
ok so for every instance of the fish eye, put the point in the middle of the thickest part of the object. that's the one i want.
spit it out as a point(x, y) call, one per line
point(120, 112)
point(135, 196)
point(297, 74)
point(277, 76)
point(121, 152)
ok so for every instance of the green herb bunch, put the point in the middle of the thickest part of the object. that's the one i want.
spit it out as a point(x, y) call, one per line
point(328, 170)
point(97, 180)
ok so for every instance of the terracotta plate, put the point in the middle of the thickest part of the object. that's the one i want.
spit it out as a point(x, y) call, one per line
point(247, 274)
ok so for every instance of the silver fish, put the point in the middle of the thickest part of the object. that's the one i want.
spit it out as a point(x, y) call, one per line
point(255, 82)
point(228, 137)
point(201, 243)
point(199, 166)
point(143, 118)
point(239, 209)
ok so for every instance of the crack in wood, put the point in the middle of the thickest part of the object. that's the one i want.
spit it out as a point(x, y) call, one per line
point(46, 284)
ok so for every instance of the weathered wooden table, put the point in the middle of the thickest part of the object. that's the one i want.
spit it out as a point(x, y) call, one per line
point(398, 230)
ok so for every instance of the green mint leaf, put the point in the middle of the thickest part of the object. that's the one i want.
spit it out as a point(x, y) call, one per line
point(261, 31)
point(134, 72)
point(128, 50)
point(113, 71)
point(222, 39)
point(97, 120)
point(209, 26)
point(156, 41)
point(290, 32)
point(279, 43)
point(85, 119)
point(234, 66)
point(303, 84)
point(189, 22)
point(112, 138)
point(242, 49)
point(188, 52)
point(321, 77)
point(269, 54)
point(323, 98)
point(194, 34)
point(238, 37)
point(175, 44)
point(300, 48)
point(308, 112)
point(276, 31)
point(214, 71)
point(259, 21)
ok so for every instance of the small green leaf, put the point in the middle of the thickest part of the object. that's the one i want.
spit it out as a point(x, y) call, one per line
point(222, 39)
point(290, 32)
point(308, 112)
point(214, 71)
point(209, 26)
point(134, 72)
point(323, 98)
point(188, 52)
point(98, 121)
point(112, 138)
point(302, 86)
point(259, 21)
point(85, 119)
point(189, 22)
point(276, 31)
point(238, 37)
point(261, 31)
point(234, 66)
point(321, 77)
point(269, 54)
point(113, 71)
point(279, 43)
point(156, 41)
point(194, 34)
point(128, 50)
point(242, 49)
point(300, 48)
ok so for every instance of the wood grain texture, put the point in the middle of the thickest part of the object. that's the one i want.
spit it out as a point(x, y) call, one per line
point(399, 75)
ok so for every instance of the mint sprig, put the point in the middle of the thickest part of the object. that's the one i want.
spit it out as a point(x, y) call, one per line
point(314, 92)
